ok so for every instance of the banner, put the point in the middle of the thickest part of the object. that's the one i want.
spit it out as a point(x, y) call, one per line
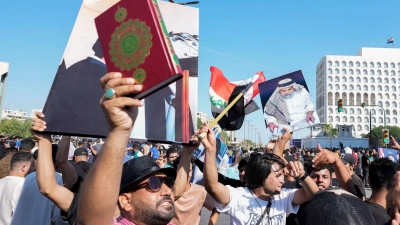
point(388, 153)
point(72, 106)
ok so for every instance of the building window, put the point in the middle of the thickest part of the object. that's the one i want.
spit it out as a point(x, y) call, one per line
point(364, 64)
point(379, 88)
point(395, 120)
point(393, 81)
point(336, 79)
point(371, 72)
point(393, 88)
point(366, 128)
point(329, 63)
point(372, 88)
point(343, 71)
point(365, 111)
point(394, 96)
point(387, 104)
point(351, 72)
point(386, 88)
point(337, 119)
point(358, 80)
point(379, 73)
point(365, 80)
point(330, 119)
point(380, 96)
point(344, 79)
point(343, 64)
point(379, 81)
point(330, 87)
point(371, 65)
point(385, 65)
point(392, 73)
point(351, 119)
point(344, 87)
point(378, 65)
point(351, 87)
point(380, 120)
point(386, 81)
point(337, 87)
point(373, 119)
point(365, 72)
point(329, 71)
point(358, 127)
point(357, 64)
point(330, 111)
point(330, 79)
point(351, 64)
point(358, 111)
point(351, 111)
point(336, 63)
point(358, 88)
point(365, 88)
point(380, 112)
point(386, 73)
point(366, 120)
point(387, 120)
point(372, 80)
point(336, 71)
point(358, 72)
point(392, 65)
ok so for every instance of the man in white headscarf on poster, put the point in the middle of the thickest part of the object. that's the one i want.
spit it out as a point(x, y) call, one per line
point(290, 105)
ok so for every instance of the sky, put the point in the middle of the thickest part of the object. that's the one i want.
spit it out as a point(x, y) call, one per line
point(239, 37)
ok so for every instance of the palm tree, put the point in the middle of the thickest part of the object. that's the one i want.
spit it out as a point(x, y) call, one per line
point(327, 129)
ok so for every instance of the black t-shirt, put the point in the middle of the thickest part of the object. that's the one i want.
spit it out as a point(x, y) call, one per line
point(359, 188)
point(70, 216)
point(364, 161)
point(82, 168)
point(379, 213)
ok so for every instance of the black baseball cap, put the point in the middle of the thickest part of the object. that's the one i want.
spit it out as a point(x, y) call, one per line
point(348, 158)
point(81, 151)
point(138, 168)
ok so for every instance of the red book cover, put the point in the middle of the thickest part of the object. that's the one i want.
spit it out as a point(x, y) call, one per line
point(135, 42)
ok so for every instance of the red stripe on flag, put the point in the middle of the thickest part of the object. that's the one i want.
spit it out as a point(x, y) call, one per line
point(260, 79)
point(220, 84)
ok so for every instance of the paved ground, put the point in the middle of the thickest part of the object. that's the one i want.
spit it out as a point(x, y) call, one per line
point(224, 219)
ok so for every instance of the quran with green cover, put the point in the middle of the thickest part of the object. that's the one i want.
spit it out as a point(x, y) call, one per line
point(135, 42)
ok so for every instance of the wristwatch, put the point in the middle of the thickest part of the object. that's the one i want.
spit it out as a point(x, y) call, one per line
point(304, 176)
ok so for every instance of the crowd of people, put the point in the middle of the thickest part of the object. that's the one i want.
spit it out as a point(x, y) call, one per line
point(44, 181)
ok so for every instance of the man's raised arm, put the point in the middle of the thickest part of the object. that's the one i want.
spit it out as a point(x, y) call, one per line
point(100, 191)
point(68, 172)
point(45, 173)
point(218, 191)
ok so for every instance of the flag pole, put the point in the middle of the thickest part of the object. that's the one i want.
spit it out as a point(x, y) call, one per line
point(234, 101)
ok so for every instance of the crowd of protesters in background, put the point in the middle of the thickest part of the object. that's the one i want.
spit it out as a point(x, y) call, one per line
point(68, 180)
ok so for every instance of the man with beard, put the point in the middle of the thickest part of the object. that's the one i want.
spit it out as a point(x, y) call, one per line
point(290, 104)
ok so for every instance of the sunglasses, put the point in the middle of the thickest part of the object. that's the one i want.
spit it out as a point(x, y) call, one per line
point(154, 184)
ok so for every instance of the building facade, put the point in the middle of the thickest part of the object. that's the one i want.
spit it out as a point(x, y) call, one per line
point(3, 82)
point(371, 77)
point(14, 114)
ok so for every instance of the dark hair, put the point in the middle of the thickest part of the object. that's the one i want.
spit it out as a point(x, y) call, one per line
point(310, 169)
point(245, 151)
point(170, 151)
point(258, 169)
point(381, 173)
point(20, 157)
point(26, 144)
point(11, 151)
point(97, 49)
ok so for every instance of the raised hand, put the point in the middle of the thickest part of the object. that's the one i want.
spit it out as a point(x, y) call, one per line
point(272, 126)
point(295, 169)
point(39, 125)
point(393, 143)
point(209, 141)
point(324, 157)
point(310, 117)
point(121, 111)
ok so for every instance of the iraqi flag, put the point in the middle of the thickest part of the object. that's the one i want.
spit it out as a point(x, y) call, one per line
point(222, 92)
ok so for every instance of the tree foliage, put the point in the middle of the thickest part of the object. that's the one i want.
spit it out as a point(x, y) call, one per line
point(328, 128)
point(247, 143)
point(14, 127)
point(225, 136)
point(377, 132)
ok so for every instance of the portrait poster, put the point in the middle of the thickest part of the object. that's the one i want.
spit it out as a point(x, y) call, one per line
point(72, 106)
point(388, 153)
point(287, 103)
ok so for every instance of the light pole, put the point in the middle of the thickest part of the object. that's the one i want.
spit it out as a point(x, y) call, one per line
point(248, 131)
point(251, 134)
point(255, 136)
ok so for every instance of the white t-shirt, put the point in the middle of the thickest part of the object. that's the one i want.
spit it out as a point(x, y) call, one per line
point(223, 165)
point(10, 189)
point(244, 209)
